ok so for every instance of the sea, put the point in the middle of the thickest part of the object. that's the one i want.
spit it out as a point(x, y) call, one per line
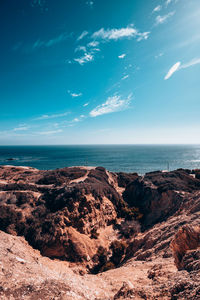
point(116, 158)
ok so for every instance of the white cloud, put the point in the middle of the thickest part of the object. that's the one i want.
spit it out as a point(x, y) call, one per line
point(83, 34)
point(87, 57)
point(178, 66)
point(143, 36)
point(75, 95)
point(157, 8)
point(122, 56)
point(93, 44)
point(191, 63)
point(115, 34)
point(45, 117)
point(80, 48)
point(86, 104)
point(172, 70)
point(113, 104)
point(125, 77)
point(79, 119)
point(163, 19)
point(76, 120)
point(21, 128)
point(49, 132)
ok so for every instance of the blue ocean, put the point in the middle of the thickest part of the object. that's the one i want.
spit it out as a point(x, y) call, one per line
point(124, 158)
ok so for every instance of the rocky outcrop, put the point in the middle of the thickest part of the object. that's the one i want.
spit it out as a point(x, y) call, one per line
point(63, 213)
point(159, 195)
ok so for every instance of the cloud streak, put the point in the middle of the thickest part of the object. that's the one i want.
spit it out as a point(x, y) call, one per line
point(164, 18)
point(21, 128)
point(112, 104)
point(191, 63)
point(41, 43)
point(53, 116)
point(49, 132)
point(178, 66)
point(157, 8)
point(83, 34)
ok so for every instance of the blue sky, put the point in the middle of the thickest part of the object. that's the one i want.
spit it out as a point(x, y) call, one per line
point(99, 72)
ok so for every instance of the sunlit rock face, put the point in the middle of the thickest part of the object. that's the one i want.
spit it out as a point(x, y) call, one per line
point(186, 248)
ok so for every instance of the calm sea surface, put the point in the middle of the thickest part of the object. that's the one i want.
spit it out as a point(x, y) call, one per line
point(126, 158)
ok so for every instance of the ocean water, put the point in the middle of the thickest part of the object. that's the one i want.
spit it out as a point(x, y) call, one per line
point(125, 158)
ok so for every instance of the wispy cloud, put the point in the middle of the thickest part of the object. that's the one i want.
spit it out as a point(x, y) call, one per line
point(86, 104)
point(113, 104)
point(115, 34)
point(49, 132)
point(143, 36)
point(79, 119)
point(53, 116)
point(93, 44)
point(178, 66)
point(125, 77)
point(122, 56)
point(167, 2)
point(172, 70)
point(164, 18)
point(87, 57)
point(74, 95)
point(60, 38)
point(191, 63)
point(21, 128)
point(41, 43)
point(103, 35)
point(157, 9)
point(83, 34)
point(80, 48)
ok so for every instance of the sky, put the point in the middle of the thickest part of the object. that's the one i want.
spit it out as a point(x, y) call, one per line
point(99, 72)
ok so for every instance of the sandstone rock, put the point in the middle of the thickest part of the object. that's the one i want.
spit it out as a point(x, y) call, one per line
point(187, 238)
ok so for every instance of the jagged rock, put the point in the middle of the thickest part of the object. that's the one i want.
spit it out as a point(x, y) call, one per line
point(124, 179)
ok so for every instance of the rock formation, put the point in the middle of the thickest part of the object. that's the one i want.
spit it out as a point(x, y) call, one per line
point(86, 233)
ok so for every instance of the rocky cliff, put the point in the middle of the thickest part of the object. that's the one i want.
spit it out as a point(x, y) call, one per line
point(86, 233)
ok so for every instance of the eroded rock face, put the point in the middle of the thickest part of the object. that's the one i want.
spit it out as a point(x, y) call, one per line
point(187, 238)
